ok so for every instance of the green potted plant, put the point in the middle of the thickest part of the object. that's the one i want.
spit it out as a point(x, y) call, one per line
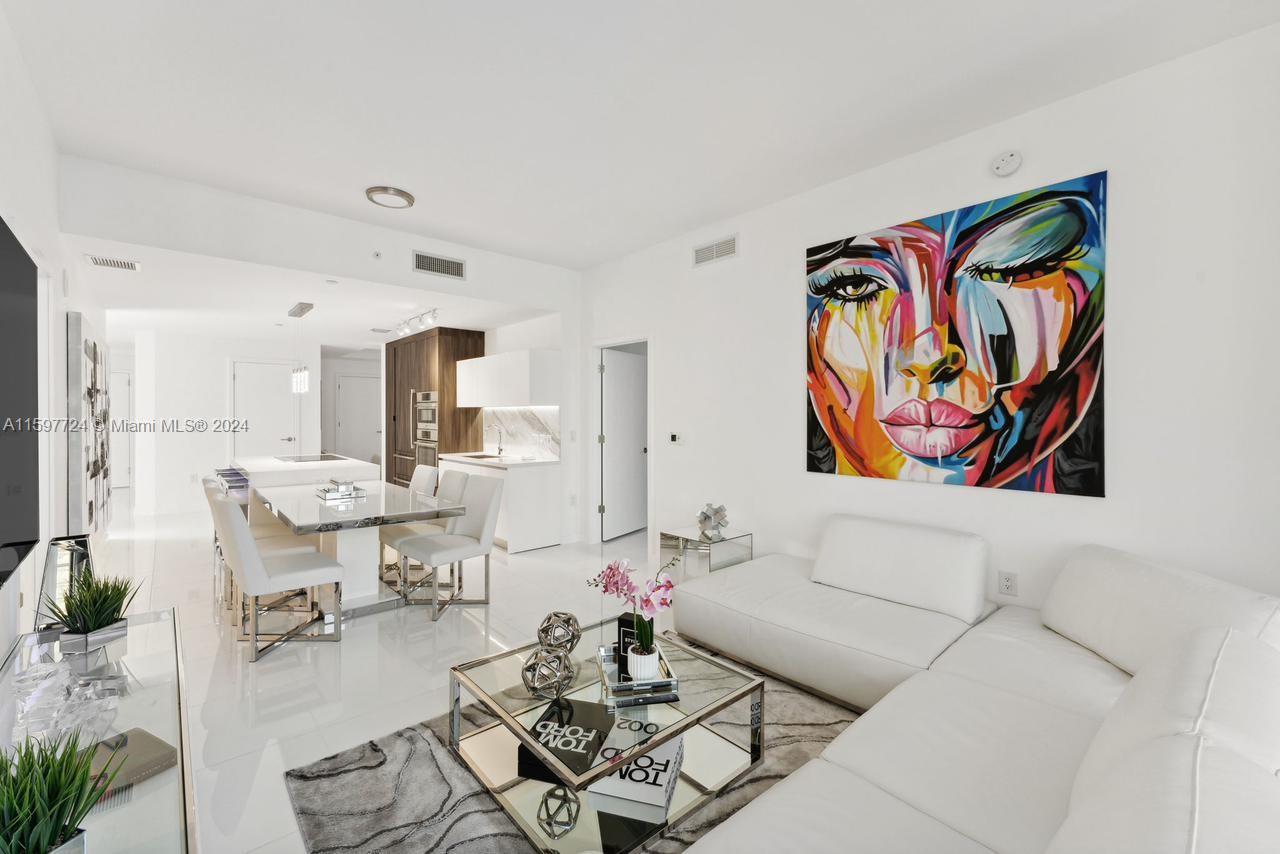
point(46, 790)
point(92, 612)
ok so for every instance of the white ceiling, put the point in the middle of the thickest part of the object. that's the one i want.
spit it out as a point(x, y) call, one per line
point(181, 292)
point(570, 131)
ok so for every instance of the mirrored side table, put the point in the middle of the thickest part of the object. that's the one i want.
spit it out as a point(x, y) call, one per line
point(700, 556)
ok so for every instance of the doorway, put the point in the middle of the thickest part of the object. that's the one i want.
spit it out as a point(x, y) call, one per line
point(358, 411)
point(261, 396)
point(624, 437)
point(120, 394)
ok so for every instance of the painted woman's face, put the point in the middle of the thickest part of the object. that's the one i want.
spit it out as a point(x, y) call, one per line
point(934, 345)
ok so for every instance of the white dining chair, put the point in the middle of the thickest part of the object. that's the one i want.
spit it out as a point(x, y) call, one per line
point(451, 486)
point(284, 576)
point(471, 536)
point(424, 481)
point(273, 538)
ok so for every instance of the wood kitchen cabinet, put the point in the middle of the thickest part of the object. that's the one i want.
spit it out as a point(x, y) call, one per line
point(427, 361)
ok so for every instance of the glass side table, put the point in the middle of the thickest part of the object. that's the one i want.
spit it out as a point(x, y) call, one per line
point(700, 556)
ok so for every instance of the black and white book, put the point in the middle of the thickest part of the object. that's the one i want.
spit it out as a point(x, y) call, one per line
point(573, 731)
point(642, 788)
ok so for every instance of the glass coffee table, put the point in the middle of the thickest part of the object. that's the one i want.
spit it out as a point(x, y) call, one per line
point(718, 714)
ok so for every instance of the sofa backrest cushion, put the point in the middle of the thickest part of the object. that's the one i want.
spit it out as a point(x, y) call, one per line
point(930, 568)
point(1125, 609)
point(1179, 793)
point(1217, 683)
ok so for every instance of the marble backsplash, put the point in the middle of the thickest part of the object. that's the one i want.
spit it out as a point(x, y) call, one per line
point(526, 430)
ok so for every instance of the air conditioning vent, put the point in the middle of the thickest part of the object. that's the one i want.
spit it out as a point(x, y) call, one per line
point(379, 330)
point(114, 263)
point(437, 265)
point(726, 248)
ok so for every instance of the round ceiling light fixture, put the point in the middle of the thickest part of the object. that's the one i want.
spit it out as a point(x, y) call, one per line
point(390, 197)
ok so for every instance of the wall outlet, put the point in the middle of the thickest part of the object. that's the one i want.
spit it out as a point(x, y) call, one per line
point(1008, 583)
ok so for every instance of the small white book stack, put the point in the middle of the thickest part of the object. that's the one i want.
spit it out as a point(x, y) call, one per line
point(642, 789)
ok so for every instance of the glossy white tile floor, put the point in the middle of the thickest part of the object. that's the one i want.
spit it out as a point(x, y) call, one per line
point(249, 723)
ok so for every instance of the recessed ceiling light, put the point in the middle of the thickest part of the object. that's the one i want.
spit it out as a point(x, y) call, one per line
point(390, 197)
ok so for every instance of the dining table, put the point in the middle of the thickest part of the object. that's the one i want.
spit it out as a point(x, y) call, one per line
point(348, 528)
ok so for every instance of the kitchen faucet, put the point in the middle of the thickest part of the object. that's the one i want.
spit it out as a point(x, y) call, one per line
point(499, 429)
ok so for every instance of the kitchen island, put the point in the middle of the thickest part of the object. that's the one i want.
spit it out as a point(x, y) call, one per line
point(529, 517)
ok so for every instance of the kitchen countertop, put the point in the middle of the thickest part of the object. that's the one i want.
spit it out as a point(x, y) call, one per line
point(506, 462)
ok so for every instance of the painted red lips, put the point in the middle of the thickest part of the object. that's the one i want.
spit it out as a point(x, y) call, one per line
point(935, 428)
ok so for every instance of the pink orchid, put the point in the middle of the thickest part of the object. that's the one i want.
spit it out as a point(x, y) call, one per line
point(647, 601)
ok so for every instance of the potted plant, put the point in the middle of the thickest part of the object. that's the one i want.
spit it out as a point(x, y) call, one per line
point(646, 603)
point(92, 612)
point(46, 790)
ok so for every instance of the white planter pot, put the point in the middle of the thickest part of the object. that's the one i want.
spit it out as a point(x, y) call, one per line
point(641, 667)
point(69, 643)
point(77, 844)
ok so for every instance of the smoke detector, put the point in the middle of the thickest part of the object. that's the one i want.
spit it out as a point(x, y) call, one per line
point(1006, 163)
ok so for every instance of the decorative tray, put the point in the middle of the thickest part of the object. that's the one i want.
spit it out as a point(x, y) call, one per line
point(607, 661)
point(336, 493)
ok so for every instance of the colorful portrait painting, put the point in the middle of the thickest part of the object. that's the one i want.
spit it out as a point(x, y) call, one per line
point(966, 347)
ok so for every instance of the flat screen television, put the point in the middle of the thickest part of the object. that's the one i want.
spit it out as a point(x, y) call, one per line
point(19, 442)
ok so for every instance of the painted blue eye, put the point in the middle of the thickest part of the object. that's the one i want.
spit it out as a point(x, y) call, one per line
point(1035, 241)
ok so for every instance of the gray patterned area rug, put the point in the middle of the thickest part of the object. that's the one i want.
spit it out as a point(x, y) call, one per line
point(407, 792)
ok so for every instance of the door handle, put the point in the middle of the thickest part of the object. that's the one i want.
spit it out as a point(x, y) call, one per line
point(288, 439)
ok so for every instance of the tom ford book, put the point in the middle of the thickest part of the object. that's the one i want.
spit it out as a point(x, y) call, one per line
point(573, 730)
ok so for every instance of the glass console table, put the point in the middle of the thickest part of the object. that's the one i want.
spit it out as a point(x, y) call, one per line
point(132, 685)
point(699, 555)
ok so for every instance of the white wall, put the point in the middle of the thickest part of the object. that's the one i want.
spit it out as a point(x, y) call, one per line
point(330, 370)
point(1193, 301)
point(29, 205)
point(535, 334)
point(189, 377)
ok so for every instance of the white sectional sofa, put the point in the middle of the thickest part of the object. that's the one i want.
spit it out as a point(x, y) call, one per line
point(1026, 732)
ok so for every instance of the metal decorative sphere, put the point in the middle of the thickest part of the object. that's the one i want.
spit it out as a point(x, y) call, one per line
point(548, 672)
point(558, 812)
point(559, 630)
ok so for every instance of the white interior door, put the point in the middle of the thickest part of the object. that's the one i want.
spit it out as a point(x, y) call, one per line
point(262, 396)
point(624, 472)
point(359, 412)
point(120, 393)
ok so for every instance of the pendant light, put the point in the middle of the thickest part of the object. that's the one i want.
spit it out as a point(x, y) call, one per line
point(300, 376)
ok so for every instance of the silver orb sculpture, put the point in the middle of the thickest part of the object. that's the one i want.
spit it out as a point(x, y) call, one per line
point(559, 630)
point(558, 812)
point(548, 672)
point(711, 520)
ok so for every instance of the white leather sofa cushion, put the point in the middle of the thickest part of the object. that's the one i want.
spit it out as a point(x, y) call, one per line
point(714, 607)
point(1013, 650)
point(993, 765)
point(1176, 794)
point(1215, 682)
point(848, 646)
point(825, 809)
point(1125, 609)
point(932, 568)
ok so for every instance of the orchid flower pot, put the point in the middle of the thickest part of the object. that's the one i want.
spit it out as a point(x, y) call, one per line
point(641, 666)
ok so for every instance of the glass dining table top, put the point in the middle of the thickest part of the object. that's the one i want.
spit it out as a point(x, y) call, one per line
point(382, 503)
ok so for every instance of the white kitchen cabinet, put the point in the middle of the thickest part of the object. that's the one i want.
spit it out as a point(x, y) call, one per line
point(516, 378)
point(529, 517)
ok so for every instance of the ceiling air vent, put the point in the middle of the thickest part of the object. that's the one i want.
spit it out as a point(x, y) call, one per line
point(378, 330)
point(726, 248)
point(437, 265)
point(114, 263)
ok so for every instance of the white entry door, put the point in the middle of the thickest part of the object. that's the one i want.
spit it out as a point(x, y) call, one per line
point(359, 413)
point(262, 395)
point(120, 394)
point(624, 470)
